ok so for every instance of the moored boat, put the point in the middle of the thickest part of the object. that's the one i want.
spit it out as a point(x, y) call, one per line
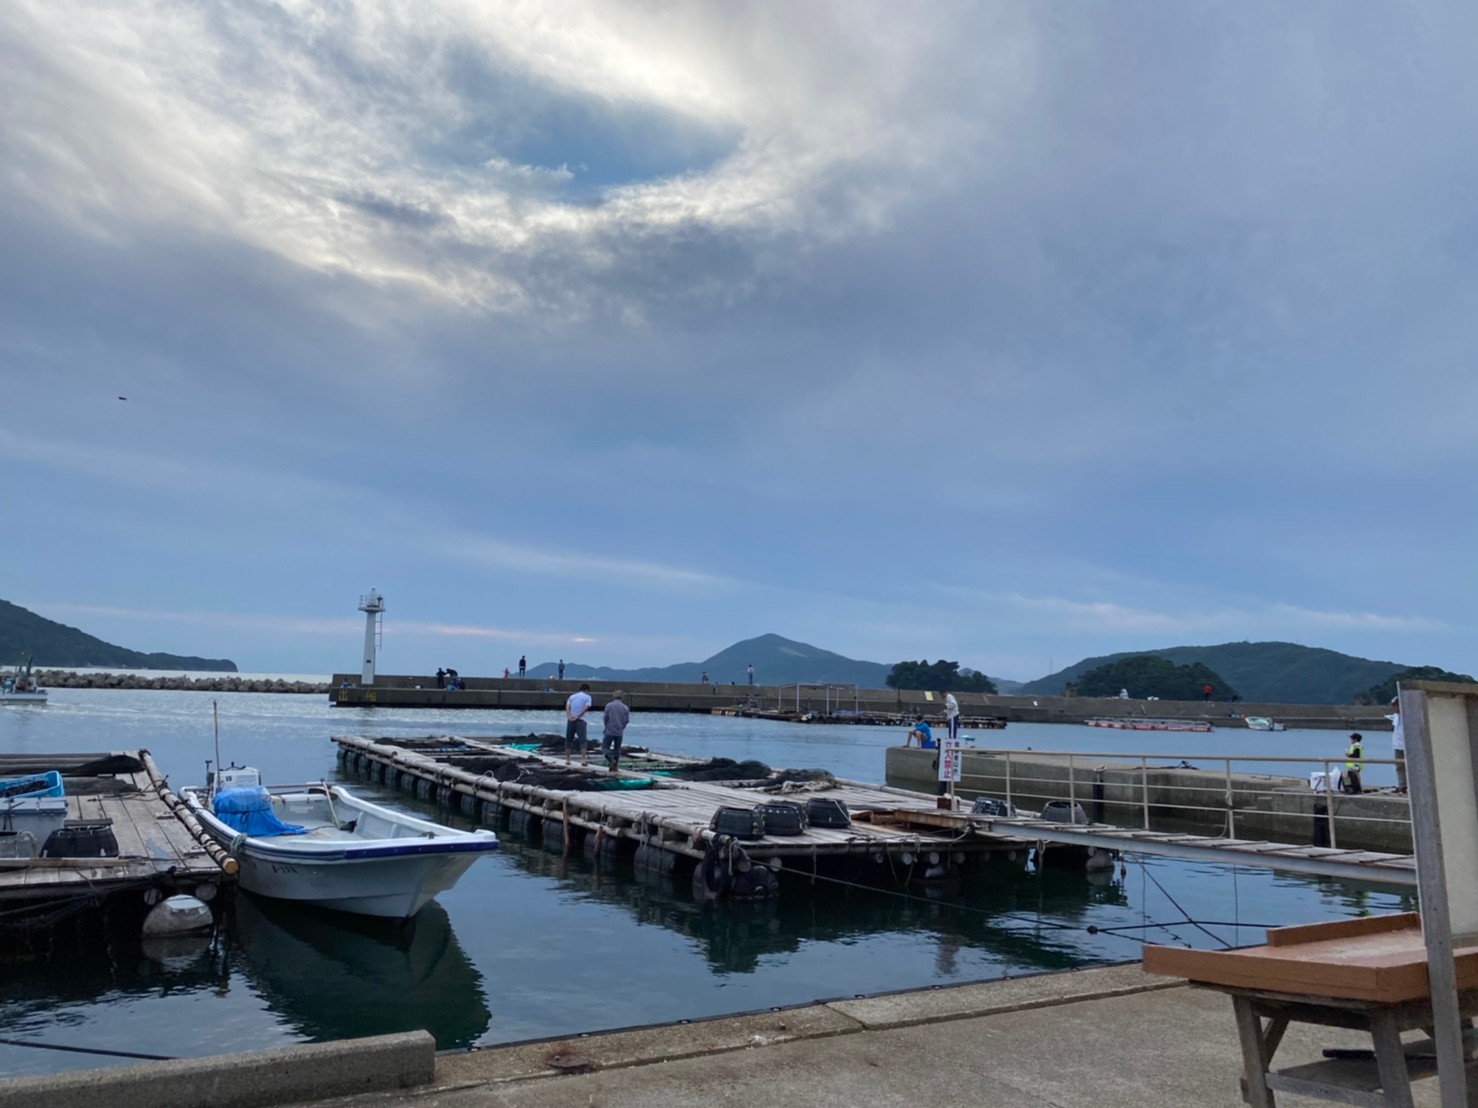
point(320, 844)
point(1132, 723)
point(1263, 723)
point(20, 687)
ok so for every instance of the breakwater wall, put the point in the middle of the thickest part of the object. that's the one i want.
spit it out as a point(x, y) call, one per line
point(835, 702)
point(227, 682)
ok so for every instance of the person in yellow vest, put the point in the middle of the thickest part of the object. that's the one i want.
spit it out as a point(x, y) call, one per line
point(1354, 763)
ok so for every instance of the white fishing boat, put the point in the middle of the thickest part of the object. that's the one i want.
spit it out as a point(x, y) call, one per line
point(320, 844)
point(1263, 723)
point(20, 687)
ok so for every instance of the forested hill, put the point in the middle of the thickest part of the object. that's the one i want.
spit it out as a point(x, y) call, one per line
point(50, 643)
point(1262, 672)
point(776, 661)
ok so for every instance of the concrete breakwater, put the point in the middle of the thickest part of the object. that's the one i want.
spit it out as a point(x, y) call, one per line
point(66, 679)
point(833, 703)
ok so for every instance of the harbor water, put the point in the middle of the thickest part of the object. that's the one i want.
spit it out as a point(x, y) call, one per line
point(531, 945)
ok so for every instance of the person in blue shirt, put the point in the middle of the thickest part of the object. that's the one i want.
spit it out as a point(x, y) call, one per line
point(925, 736)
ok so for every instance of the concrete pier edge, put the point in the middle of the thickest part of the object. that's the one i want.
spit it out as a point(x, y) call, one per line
point(621, 1049)
point(283, 1075)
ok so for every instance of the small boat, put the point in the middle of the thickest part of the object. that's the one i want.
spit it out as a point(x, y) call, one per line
point(1263, 723)
point(320, 844)
point(20, 686)
point(1133, 723)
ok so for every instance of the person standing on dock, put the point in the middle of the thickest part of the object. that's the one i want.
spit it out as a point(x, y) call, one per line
point(523, 665)
point(440, 677)
point(1398, 747)
point(575, 726)
point(617, 716)
point(1354, 763)
point(952, 715)
point(561, 669)
point(751, 673)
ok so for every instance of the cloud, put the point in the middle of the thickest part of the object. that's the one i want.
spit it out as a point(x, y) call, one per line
point(287, 624)
point(1110, 618)
point(380, 140)
point(489, 553)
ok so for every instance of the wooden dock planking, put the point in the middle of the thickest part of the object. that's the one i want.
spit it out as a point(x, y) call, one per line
point(152, 844)
point(675, 815)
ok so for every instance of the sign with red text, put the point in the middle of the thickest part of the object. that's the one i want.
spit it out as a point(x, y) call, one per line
point(951, 753)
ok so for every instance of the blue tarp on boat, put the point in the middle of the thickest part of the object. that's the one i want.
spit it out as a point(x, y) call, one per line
point(250, 812)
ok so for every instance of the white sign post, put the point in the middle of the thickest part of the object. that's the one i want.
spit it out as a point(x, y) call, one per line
point(951, 753)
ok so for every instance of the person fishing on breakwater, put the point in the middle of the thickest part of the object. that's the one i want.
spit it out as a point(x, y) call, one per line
point(924, 734)
point(1354, 763)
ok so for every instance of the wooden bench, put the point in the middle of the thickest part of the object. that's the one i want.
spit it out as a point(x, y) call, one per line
point(1366, 974)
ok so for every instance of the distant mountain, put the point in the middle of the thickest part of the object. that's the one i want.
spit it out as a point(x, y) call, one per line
point(1262, 672)
point(55, 644)
point(776, 661)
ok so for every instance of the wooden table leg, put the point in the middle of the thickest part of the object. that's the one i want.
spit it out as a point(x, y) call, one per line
point(1391, 1059)
point(1256, 1057)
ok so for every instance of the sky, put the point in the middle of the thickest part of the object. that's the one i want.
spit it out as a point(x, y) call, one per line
point(1010, 333)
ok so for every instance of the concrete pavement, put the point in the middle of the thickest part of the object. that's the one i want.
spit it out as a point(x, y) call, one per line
point(1104, 1038)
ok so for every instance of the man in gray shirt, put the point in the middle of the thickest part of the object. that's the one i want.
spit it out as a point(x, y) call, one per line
point(617, 716)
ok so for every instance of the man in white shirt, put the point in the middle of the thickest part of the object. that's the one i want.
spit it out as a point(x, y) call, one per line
point(575, 726)
point(1398, 743)
point(952, 713)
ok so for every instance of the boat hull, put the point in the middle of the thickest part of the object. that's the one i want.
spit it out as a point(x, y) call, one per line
point(22, 698)
point(395, 888)
point(1129, 724)
point(378, 863)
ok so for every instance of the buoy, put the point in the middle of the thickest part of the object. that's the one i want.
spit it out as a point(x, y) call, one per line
point(177, 915)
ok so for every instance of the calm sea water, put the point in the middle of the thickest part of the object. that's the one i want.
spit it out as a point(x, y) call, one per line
point(530, 945)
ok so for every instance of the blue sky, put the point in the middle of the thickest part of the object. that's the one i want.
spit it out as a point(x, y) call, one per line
point(1009, 333)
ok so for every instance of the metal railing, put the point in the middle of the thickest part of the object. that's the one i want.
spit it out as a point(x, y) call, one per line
point(1214, 791)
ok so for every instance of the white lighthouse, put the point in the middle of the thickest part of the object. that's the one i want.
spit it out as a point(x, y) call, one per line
point(372, 604)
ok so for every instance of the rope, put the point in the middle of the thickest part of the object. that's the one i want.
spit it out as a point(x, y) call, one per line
point(89, 1050)
point(1176, 904)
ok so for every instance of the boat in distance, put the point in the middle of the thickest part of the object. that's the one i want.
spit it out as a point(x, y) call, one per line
point(20, 687)
point(1263, 723)
point(322, 845)
point(1132, 723)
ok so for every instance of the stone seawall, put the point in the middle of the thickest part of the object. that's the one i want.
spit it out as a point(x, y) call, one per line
point(65, 679)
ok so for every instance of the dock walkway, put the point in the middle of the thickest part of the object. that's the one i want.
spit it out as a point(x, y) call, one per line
point(672, 818)
point(155, 847)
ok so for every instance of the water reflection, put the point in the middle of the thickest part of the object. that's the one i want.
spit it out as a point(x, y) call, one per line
point(92, 958)
point(1018, 917)
point(332, 976)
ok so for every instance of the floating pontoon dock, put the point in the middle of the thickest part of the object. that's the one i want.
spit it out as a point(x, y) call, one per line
point(158, 855)
point(668, 819)
point(894, 829)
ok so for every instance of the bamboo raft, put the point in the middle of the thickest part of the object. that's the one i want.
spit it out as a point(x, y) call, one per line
point(159, 852)
point(895, 834)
